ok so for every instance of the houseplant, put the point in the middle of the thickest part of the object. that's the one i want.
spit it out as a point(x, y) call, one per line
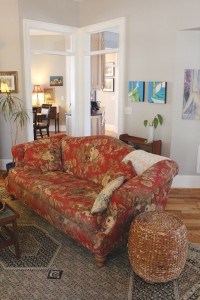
point(158, 119)
point(15, 114)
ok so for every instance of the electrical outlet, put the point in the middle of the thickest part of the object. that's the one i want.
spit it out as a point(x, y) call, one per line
point(128, 110)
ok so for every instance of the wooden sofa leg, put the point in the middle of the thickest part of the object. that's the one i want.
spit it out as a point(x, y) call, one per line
point(100, 260)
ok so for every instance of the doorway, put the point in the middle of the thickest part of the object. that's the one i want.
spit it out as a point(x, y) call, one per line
point(79, 73)
point(110, 92)
point(52, 49)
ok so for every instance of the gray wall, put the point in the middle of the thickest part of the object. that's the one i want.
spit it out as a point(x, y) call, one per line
point(185, 133)
point(64, 12)
point(10, 61)
point(151, 40)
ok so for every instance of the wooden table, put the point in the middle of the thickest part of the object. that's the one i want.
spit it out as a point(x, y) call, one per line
point(9, 216)
point(140, 143)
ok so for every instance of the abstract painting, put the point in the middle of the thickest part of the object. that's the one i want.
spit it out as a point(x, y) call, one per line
point(157, 92)
point(136, 91)
point(191, 95)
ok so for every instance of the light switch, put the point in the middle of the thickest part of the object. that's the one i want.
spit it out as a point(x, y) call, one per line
point(198, 161)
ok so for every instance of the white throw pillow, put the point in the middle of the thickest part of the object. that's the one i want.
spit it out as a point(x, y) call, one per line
point(142, 160)
point(102, 200)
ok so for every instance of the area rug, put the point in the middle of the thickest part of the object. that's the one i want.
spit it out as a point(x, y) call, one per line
point(46, 251)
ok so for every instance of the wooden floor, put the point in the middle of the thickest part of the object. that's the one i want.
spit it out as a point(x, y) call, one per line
point(185, 203)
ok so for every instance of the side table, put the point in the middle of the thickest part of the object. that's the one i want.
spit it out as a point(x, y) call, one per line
point(140, 143)
point(9, 216)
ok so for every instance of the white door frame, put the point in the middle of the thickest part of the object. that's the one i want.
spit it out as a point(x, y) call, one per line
point(27, 26)
point(118, 23)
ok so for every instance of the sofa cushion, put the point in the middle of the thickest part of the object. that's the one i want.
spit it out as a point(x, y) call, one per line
point(68, 195)
point(102, 200)
point(43, 156)
point(18, 151)
point(119, 169)
point(91, 157)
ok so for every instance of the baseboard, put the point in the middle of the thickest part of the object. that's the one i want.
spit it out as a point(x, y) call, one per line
point(186, 181)
point(110, 127)
point(61, 128)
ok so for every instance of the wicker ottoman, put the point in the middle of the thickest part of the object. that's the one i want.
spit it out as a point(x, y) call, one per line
point(157, 246)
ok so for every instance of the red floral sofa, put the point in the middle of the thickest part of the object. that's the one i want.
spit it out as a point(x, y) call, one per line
point(63, 178)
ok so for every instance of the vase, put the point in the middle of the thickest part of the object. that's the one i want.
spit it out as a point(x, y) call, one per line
point(150, 134)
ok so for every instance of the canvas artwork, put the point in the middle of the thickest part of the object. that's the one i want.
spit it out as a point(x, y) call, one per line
point(136, 91)
point(157, 92)
point(56, 80)
point(191, 95)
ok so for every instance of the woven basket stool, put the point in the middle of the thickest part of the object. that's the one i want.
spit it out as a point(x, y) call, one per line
point(157, 246)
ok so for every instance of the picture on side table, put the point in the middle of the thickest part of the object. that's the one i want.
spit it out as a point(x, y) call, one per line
point(49, 95)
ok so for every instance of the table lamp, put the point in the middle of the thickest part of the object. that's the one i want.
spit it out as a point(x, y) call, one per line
point(37, 89)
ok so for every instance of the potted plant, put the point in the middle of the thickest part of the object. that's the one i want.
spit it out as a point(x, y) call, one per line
point(14, 112)
point(158, 119)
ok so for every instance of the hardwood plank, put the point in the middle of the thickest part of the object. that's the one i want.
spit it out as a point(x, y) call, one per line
point(185, 204)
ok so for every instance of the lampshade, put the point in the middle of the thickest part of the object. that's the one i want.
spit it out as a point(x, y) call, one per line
point(37, 89)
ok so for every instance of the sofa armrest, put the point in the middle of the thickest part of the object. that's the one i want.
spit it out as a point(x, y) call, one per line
point(18, 154)
point(148, 191)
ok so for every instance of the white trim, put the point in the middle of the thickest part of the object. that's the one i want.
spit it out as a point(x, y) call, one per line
point(186, 181)
point(49, 52)
point(110, 127)
point(118, 23)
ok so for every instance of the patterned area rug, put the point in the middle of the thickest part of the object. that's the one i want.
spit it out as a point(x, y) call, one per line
point(44, 250)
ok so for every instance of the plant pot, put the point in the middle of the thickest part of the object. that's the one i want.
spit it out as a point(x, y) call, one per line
point(10, 166)
point(150, 134)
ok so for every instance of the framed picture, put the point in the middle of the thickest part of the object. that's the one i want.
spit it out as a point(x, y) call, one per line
point(56, 80)
point(157, 92)
point(49, 95)
point(110, 70)
point(8, 81)
point(191, 98)
point(109, 85)
point(136, 91)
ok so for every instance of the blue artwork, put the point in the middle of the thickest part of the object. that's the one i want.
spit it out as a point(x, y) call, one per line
point(157, 92)
point(136, 91)
point(191, 95)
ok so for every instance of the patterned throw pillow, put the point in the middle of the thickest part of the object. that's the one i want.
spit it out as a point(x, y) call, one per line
point(102, 200)
point(43, 157)
point(119, 169)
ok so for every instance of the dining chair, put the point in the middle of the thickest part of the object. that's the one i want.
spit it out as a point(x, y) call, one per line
point(42, 120)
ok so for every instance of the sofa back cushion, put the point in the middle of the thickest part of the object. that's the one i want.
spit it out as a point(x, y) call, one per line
point(43, 155)
point(18, 151)
point(93, 156)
